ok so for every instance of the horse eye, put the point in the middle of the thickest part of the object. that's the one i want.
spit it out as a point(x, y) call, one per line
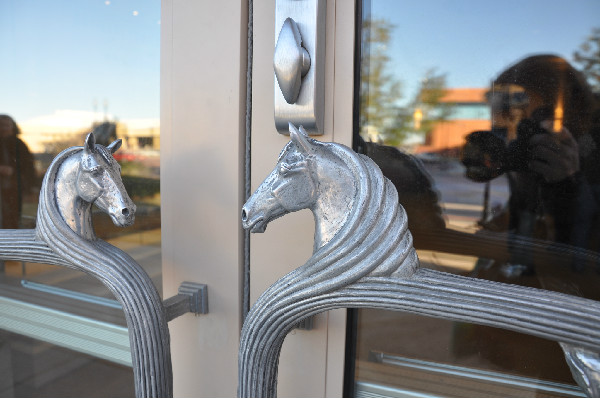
point(96, 171)
point(284, 168)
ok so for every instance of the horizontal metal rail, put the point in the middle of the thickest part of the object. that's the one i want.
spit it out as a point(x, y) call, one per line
point(89, 336)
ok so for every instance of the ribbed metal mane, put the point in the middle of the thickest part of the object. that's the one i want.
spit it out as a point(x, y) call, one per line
point(374, 241)
point(49, 221)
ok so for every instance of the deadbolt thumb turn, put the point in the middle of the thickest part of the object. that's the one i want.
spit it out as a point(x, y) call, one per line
point(299, 65)
point(291, 61)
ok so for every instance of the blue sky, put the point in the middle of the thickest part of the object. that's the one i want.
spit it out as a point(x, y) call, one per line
point(474, 40)
point(68, 54)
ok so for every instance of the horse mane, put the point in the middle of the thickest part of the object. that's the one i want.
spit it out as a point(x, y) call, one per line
point(50, 225)
point(376, 223)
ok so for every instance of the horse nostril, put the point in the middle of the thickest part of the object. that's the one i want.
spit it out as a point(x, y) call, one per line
point(125, 212)
point(244, 215)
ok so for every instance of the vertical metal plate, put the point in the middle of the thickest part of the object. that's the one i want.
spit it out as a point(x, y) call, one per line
point(308, 110)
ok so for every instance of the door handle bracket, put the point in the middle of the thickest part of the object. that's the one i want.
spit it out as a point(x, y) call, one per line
point(192, 297)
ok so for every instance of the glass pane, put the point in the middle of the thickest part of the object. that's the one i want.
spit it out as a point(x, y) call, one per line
point(34, 368)
point(486, 118)
point(70, 68)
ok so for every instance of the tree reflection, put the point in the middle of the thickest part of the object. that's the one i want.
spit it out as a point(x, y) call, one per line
point(428, 102)
point(382, 117)
point(588, 58)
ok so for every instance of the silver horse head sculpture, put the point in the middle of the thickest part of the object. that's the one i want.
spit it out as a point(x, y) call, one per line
point(78, 178)
point(350, 199)
point(360, 231)
point(363, 258)
point(90, 175)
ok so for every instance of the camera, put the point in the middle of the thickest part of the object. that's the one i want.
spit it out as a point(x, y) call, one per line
point(486, 154)
point(518, 152)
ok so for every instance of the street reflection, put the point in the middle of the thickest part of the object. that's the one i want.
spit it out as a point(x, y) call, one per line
point(17, 175)
point(495, 157)
point(69, 70)
point(21, 173)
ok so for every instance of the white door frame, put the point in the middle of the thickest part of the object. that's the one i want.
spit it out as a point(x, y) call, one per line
point(203, 111)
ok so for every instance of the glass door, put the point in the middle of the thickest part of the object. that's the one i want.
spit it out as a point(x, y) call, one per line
point(190, 229)
point(485, 117)
point(69, 69)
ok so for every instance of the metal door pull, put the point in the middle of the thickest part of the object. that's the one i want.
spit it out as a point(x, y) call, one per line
point(364, 258)
point(192, 297)
point(76, 179)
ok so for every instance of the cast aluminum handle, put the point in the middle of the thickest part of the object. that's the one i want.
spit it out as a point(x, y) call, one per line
point(363, 258)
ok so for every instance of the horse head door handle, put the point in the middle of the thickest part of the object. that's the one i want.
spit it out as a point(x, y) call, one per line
point(363, 258)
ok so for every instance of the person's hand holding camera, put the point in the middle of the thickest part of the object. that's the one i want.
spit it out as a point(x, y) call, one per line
point(555, 156)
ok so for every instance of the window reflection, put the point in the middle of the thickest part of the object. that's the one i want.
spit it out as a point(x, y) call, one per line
point(489, 131)
point(69, 69)
point(35, 368)
point(17, 174)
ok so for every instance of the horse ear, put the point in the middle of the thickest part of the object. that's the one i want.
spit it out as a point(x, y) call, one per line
point(300, 138)
point(114, 146)
point(90, 143)
point(304, 133)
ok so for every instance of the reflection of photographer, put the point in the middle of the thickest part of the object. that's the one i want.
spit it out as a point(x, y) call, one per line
point(553, 155)
point(545, 163)
point(544, 142)
point(16, 173)
point(540, 108)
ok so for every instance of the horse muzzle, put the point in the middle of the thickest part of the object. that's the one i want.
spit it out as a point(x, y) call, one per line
point(124, 216)
point(255, 224)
